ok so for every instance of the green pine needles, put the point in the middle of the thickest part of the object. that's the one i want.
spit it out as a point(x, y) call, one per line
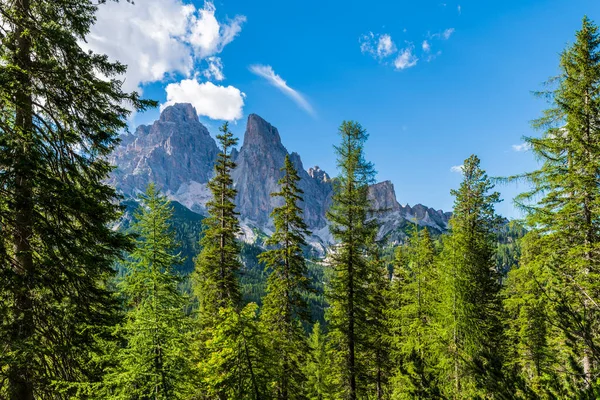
point(490, 309)
point(348, 293)
point(284, 308)
point(58, 123)
point(155, 363)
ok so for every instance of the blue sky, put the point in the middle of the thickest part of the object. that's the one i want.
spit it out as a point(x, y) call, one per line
point(426, 106)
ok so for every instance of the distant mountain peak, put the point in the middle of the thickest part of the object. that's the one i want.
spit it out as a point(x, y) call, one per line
point(318, 174)
point(261, 133)
point(179, 112)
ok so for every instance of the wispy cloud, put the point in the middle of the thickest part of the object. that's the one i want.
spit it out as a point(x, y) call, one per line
point(266, 71)
point(447, 33)
point(377, 45)
point(444, 35)
point(426, 46)
point(406, 59)
point(521, 147)
point(459, 9)
point(457, 169)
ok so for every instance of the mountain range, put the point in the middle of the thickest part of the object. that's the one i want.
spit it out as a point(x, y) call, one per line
point(178, 153)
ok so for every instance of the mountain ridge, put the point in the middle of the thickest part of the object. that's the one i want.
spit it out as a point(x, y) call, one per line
point(177, 153)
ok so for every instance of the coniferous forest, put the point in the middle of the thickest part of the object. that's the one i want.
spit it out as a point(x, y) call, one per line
point(90, 309)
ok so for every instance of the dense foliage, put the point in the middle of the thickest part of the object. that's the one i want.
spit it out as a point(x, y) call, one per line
point(166, 304)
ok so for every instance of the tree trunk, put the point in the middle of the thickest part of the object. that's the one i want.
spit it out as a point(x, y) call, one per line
point(20, 380)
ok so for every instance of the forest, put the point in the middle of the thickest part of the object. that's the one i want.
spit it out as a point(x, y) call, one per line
point(490, 310)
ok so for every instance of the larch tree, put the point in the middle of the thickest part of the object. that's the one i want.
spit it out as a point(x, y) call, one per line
point(469, 315)
point(284, 309)
point(348, 292)
point(155, 362)
point(563, 211)
point(58, 123)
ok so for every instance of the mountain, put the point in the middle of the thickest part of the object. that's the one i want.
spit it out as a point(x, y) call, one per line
point(177, 153)
point(258, 169)
point(396, 220)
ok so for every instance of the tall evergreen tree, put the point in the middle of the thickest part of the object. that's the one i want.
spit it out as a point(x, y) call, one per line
point(154, 364)
point(284, 308)
point(318, 367)
point(413, 301)
point(229, 341)
point(58, 122)
point(468, 318)
point(348, 293)
point(563, 208)
point(378, 355)
point(216, 283)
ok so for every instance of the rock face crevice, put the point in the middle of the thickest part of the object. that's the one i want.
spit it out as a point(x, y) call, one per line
point(177, 153)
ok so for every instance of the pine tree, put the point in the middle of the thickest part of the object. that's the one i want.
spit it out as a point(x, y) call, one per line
point(155, 361)
point(378, 361)
point(216, 283)
point(563, 209)
point(233, 362)
point(468, 318)
point(59, 121)
point(318, 367)
point(536, 348)
point(284, 308)
point(229, 341)
point(413, 301)
point(348, 294)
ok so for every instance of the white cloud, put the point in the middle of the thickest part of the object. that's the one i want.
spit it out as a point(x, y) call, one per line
point(385, 46)
point(159, 38)
point(213, 101)
point(521, 147)
point(457, 169)
point(432, 57)
point(215, 69)
point(447, 33)
point(266, 71)
point(207, 35)
point(406, 59)
point(459, 9)
point(426, 46)
point(377, 45)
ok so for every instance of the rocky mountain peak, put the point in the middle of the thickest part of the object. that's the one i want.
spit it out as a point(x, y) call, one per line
point(261, 134)
point(383, 197)
point(318, 174)
point(178, 113)
point(176, 152)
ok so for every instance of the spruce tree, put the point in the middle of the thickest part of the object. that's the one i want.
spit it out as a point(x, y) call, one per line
point(348, 292)
point(284, 309)
point(59, 121)
point(563, 211)
point(229, 342)
point(413, 301)
point(468, 317)
point(216, 283)
point(155, 361)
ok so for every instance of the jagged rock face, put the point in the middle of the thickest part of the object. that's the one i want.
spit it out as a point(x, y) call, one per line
point(258, 169)
point(176, 153)
point(395, 219)
point(383, 198)
point(319, 175)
